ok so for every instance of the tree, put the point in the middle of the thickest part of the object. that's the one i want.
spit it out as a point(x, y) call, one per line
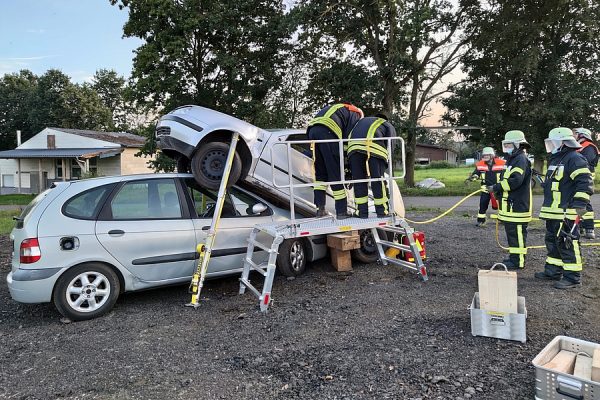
point(15, 95)
point(403, 43)
point(534, 67)
point(218, 54)
point(112, 88)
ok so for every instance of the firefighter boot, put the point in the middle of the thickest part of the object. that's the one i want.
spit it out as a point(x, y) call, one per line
point(510, 265)
point(565, 283)
point(321, 212)
point(363, 211)
point(589, 234)
point(546, 277)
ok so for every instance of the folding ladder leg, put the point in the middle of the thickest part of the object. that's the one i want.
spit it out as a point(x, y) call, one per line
point(249, 254)
point(265, 298)
point(380, 250)
point(416, 252)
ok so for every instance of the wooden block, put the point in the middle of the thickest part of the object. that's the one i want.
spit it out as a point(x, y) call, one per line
point(344, 241)
point(563, 362)
point(583, 367)
point(498, 290)
point(596, 366)
point(341, 260)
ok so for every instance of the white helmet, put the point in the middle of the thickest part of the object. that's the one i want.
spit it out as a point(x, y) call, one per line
point(559, 136)
point(581, 133)
point(488, 151)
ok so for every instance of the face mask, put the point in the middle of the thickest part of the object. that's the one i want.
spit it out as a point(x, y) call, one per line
point(509, 151)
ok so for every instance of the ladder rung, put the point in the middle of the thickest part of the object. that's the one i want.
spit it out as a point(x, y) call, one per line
point(256, 267)
point(249, 286)
point(395, 229)
point(260, 246)
point(398, 246)
point(401, 263)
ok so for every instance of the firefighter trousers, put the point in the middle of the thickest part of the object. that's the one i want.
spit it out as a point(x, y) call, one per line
point(516, 235)
point(484, 202)
point(377, 167)
point(327, 168)
point(562, 259)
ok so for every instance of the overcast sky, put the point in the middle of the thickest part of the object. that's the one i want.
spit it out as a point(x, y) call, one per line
point(75, 36)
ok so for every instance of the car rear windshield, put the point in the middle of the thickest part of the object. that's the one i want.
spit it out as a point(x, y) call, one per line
point(30, 207)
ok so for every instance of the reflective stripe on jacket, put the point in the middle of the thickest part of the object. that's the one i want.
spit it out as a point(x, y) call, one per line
point(339, 118)
point(371, 128)
point(515, 205)
point(568, 185)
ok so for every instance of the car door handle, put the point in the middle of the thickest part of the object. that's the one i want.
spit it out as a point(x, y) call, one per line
point(116, 232)
point(206, 227)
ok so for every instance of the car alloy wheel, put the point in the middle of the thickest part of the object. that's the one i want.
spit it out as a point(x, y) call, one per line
point(297, 256)
point(88, 291)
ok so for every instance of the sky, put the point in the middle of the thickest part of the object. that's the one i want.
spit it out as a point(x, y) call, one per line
point(76, 36)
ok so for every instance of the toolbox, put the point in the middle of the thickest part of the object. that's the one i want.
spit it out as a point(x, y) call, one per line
point(501, 325)
point(551, 384)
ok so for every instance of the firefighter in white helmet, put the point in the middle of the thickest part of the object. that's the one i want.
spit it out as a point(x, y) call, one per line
point(567, 190)
point(488, 169)
point(589, 150)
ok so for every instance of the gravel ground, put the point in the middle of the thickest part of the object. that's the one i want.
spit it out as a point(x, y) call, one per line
point(376, 333)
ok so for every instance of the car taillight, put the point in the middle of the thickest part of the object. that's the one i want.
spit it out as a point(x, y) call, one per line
point(30, 251)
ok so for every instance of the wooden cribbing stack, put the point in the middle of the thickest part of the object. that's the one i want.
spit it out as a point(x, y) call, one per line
point(340, 245)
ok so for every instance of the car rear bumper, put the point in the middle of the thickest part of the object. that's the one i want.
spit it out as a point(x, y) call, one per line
point(32, 286)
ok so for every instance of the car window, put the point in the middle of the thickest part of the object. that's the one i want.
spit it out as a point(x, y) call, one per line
point(237, 202)
point(86, 205)
point(303, 148)
point(148, 199)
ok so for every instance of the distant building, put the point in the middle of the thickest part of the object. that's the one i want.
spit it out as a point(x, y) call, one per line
point(59, 154)
point(426, 153)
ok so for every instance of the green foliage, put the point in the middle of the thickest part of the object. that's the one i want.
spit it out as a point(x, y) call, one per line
point(16, 92)
point(534, 67)
point(439, 165)
point(7, 222)
point(112, 90)
point(16, 199)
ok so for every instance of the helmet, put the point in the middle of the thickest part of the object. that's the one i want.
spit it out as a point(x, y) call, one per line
point(512, 140)
point(581, 133)
point(488, 151)
point(559, 136)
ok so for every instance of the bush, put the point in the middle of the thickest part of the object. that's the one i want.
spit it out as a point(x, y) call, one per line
point(437, 165)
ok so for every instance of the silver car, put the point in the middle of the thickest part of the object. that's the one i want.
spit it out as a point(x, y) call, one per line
point(80, 244)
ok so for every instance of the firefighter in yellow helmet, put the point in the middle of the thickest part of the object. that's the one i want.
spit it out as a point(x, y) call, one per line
point(514, 189)
point(567, 190)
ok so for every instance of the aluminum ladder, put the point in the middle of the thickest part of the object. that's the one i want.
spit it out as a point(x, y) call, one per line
point(278, 232)
point(205, 248)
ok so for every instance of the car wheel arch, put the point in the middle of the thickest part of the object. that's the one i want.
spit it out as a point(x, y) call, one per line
point(116, 270)
point(224, 136)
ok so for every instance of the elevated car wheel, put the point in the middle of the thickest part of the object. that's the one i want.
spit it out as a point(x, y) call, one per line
point(367, 252)
point(208, 164)
point(86, 291)
point(291, 260)
point(183, 165)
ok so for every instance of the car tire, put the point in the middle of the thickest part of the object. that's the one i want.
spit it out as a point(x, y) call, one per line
point(208, 164)
point(92, 278)
point(291, 260)
point(367, 252)
point(183, 165)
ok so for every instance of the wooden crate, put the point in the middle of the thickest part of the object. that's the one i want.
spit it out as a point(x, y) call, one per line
point(341, 260)
point(498, 290)
point(344, 241)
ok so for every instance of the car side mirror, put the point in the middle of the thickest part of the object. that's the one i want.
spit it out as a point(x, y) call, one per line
point(258, 208)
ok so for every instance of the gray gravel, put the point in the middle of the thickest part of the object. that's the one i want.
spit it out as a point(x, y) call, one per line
point(376, 333)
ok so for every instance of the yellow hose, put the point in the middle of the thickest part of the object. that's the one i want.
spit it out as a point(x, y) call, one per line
point(448, 211)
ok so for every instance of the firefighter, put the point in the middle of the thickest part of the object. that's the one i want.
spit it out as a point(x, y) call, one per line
point(590, 151)
point(488, 169)
point(368, 159)
point(567, 190)
point(514, 189)
point(332, 122)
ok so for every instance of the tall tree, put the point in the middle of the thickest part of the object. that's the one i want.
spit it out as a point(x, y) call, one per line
point(112, 88)
point(219, 54)
point(16, 91)
point(534, 67)
point(402, 42)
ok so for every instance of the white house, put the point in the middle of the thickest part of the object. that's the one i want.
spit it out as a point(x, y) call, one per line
point(59, 154)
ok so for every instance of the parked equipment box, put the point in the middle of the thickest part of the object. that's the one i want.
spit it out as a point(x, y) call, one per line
point(553, 384)
point(510, 326)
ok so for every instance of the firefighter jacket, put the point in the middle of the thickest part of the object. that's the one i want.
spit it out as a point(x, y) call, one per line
point(568, 185)
point(489, 173)
point(371, 128)
point(515, 187)
point(591, 154)
point(339, 118)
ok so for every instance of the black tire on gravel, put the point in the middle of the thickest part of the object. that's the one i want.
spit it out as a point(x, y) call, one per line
point(367, 252)
point(291, 260)
point(108, 283)
point(208, 164)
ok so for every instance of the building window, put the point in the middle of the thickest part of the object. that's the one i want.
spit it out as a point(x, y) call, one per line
point(59, 169)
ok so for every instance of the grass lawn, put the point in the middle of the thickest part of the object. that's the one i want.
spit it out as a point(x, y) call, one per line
point(454, 178)
point(6, 220)
point(16, 199)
